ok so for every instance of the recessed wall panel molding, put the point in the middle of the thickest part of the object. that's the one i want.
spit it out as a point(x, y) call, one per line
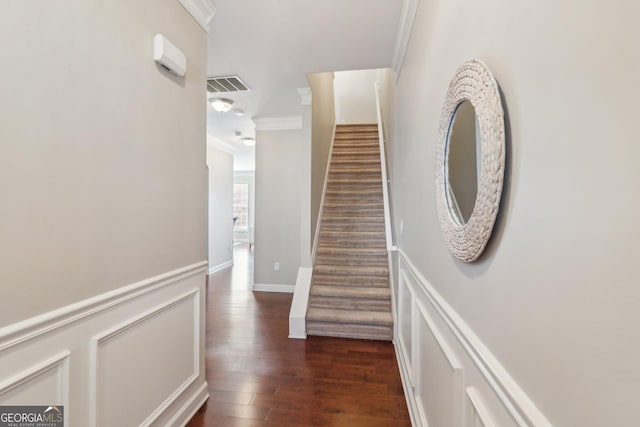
point(439, 375)
point(46, 382)
point(476, 412)
point(154, 356)
point(455, 380)
point(405, 323)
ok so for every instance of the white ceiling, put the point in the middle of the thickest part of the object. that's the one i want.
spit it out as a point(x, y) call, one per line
point(273, 44)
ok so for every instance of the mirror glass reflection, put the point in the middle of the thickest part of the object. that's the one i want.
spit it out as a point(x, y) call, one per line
point(463, 162)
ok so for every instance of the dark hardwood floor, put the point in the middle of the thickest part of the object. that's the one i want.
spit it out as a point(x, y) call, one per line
point(259, 377)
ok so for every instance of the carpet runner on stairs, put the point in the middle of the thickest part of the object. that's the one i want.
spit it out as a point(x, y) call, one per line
point(350, 295)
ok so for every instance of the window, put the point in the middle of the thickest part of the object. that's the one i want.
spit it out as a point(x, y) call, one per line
point(241, 205)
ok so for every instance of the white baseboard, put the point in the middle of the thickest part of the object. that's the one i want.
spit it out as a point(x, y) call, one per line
point(190, 407)
point(298, 311)
point(266, 287)
point(439, 354)
point(220, 267)
point(92, 356)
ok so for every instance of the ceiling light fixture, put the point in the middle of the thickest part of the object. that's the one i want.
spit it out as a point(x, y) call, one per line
point(249, 142)
point(222, 105)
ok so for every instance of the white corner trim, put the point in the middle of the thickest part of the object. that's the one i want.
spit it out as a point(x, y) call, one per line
point(383, 167)
point(221, 266)
point(36, 326)
point(516, 402)
point(220, 144)
point(305, 95)
point(298, 312)
point(407, 16)
point(266, 287)
point(201, 10)
point(279, 123)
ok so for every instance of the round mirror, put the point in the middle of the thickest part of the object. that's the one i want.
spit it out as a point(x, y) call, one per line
point(463, 163)
point(470, 160)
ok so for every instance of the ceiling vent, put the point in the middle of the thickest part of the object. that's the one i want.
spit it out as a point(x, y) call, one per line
point(226, 84)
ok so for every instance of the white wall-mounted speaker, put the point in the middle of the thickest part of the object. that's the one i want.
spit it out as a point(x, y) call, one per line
point(169, 56)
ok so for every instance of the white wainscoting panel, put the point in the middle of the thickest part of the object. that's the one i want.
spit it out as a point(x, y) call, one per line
point(476, 411)
point(449, 376)
point(439, 375)
point(131, 356)
point(153, 356)
point(46, 383)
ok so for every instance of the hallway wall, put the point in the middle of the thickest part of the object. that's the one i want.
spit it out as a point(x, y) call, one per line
point(554, 298)
point(220, 208)
point(103, 217)
point(355, 99)
point(322, 125)
point(281, 162)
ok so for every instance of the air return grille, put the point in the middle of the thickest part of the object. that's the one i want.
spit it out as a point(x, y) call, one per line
point(226, 84)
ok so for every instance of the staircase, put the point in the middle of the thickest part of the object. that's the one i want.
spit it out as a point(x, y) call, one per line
point(350, 295)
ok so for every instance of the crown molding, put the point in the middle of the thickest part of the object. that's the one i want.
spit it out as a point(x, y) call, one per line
point(279, 123)
point(220, 144)
point(201, 10)
point(305, 95)
point(407, 16)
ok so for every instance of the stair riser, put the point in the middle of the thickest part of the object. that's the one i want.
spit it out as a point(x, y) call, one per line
point(346, 243)
point(350, 292)
point(382, 333)
point(347, 272)
point(357, 134)
point(353, 180)
point(373, 191)
point(340, 281)
point(360, 252)
point(351, 262)
point(352, 227)
point(350, 304)
point(362, 152)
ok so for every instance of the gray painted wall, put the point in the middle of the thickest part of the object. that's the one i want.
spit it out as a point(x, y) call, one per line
point(323, 122)
point(220, 206)
point(555, 296)
point(102, 161)
point(280, 165)
point(355, 97)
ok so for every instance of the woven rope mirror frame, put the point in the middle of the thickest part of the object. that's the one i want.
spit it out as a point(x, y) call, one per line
point(472, 82)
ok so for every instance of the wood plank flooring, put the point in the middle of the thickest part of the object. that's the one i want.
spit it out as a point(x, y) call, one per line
point(260, 378)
